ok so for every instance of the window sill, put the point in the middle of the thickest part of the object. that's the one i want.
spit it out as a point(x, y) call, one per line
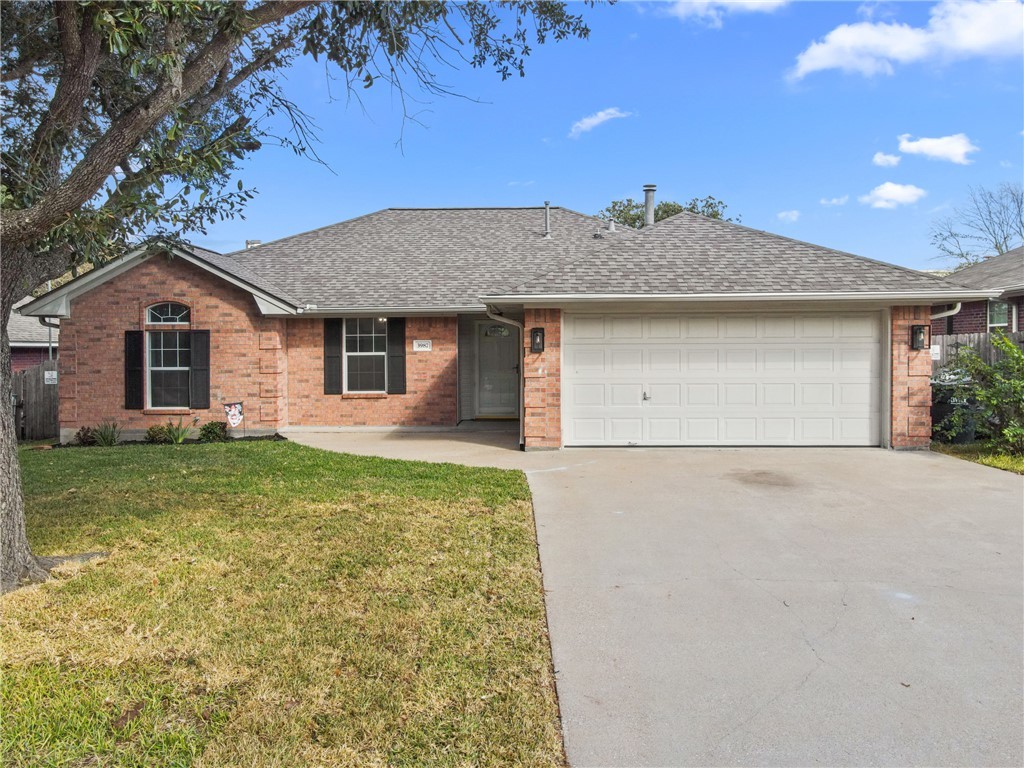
point(167, 411)
point(364, 395)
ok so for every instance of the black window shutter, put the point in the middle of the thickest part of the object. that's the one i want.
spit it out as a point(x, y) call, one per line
point(199, 381)
point(134, 367)
point(396, 355)
point(332, 356)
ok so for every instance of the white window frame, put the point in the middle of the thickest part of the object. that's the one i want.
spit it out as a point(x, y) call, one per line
point(151, 321)
point(1008, 325)
point(344, 360)
point(150, 369)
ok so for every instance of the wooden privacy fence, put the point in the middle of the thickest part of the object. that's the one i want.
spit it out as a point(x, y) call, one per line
point(35, 402)
point(950, 343)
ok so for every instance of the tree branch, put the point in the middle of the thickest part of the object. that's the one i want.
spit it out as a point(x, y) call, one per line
point(124, 134)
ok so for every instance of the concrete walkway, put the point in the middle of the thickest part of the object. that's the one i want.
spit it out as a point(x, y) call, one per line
point(770, 606)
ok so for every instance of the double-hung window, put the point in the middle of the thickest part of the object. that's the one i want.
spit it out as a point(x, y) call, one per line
point(170, 365)
point(998, 316)
point(366, 348)
point(364, 356)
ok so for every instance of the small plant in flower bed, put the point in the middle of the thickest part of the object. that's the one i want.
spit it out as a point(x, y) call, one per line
point(180, 432)
point(108, 433)
point(85, 436)
point(213, 432)
point(157, 434)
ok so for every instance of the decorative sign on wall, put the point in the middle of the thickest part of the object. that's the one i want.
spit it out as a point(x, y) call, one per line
point(233, 412)
point(422, 345)
point(49, 377)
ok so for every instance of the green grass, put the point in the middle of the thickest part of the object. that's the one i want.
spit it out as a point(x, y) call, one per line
point(979, 453)
point(266, 604)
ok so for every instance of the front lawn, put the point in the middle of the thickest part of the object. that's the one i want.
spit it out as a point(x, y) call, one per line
point(979, 453)
point(266, 604)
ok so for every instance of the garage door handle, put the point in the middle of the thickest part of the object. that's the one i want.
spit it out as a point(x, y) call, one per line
point(646, 396)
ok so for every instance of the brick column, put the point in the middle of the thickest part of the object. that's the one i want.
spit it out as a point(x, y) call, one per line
point(273, 374)
point(911, 381)
point(542, 381)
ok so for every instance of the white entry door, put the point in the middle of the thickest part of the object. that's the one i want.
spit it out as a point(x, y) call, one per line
point(497, 370)
point(725, 379)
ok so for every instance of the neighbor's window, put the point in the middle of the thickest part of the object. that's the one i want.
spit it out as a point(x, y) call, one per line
point(366, 346)
point(168, 312)
point(998, 315)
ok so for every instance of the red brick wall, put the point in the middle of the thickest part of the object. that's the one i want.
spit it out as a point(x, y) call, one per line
point(92, 345)
point(431, 380)
point(542, 381)
point(911, 381)
point(29, 357)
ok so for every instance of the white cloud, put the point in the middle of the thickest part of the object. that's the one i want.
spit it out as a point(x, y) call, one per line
point(521, 183)
point(788, 216)
point(956, 29)
point(835, 200)
point(884, 160)
point(590, 122)
point(711, 11)
point(890, 195)
point(953, 148)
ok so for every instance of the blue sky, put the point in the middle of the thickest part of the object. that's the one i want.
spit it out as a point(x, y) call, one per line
point(850, 125)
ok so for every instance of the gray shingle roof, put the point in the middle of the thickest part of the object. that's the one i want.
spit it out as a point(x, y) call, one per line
point(996, 272)
point(240, 270)
point(27, 330)
point(692, 254)
point(402, 257)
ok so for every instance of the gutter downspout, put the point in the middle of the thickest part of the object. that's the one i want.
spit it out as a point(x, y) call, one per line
point(949, 312)
point(493, 314)
point(50, 325)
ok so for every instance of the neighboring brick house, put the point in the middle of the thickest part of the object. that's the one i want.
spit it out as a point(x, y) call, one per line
point(1003, 274)
point(31, 342)
point(690, 331)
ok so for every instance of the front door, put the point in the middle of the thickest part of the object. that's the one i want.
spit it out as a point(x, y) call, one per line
point(497, 370)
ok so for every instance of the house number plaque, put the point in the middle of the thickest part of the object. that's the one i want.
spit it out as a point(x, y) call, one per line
point(422, 345)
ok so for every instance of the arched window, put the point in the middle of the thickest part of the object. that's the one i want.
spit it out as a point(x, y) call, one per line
point(168, 312)
point(168, 356)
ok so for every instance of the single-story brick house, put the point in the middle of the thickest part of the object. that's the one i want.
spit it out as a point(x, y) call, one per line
point(31, 342)
point(1005, 275)
point(690, 331)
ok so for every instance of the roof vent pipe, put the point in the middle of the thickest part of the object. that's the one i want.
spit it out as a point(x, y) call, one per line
point(649, 204)
point(547, 219)
point(611, 225)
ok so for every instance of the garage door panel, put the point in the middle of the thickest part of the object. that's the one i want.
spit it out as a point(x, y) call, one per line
point(625, 328)
point(626, 360)
point(625, 395)
point(733, 379)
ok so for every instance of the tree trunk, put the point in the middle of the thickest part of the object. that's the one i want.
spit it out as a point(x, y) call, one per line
point(17, 563)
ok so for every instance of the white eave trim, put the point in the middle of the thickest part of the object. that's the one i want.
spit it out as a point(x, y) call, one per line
point(450, 309)
point(886, 296)
point(57, 303)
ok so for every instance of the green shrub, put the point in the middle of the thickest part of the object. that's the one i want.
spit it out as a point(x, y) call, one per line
point(180, 432)
point(998, 390)
point(85, 436)
point(107, 433)
point(157, 434)
point(213, 432)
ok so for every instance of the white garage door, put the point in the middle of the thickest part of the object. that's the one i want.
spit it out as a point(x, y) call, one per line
point(731, 379)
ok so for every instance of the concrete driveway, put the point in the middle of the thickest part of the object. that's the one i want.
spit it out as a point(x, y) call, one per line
point(772, 606)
